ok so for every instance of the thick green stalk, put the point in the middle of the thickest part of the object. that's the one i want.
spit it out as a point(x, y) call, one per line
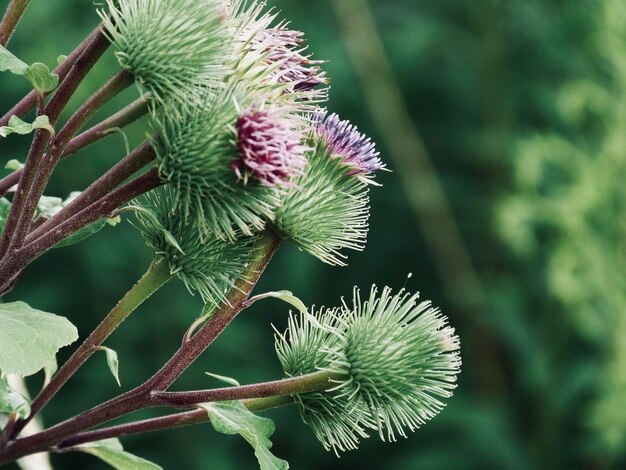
point(156, 276)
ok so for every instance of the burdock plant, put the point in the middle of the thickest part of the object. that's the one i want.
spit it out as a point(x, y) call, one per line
point(239, 157)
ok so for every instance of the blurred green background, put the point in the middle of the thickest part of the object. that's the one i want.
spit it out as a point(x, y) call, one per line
point(505, 126)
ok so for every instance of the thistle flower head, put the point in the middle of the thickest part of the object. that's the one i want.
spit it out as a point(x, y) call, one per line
point(345, 142)
point(196, 149)
point(393, 360)
point(270, 147)
point(327, 211)
point(204, 263)
point(172, 47)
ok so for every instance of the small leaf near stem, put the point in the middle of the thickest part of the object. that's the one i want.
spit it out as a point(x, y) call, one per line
point(285, 296)
point(232, 417)
point(112, 452)
point(113, 363)
point(30, 100)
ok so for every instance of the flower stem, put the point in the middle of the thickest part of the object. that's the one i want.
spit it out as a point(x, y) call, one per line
point(11, 18)
point(140, 397)
point(157, 275)
point(125, 116)
point(306, 383)
point(268, 395)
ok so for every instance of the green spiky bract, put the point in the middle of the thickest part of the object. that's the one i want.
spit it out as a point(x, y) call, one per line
point(204, 263)
point(327, 211)
point(174, 48)
point(195, 150)
point(399, 359)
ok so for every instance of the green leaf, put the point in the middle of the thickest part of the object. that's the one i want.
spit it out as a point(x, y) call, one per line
point(232, 417)
point(38, 74)
point(112, 452)
point(222, 378)
point(17, 126)
point(11, 63)
point(285, 296)
point(11, 401)
point(14, 165)
point(5, 206)
point(83, 233)
point(49, 370)
point(30, 338)
point(113, 363)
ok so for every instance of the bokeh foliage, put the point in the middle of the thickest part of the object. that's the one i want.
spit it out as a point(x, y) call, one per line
point(521, 107)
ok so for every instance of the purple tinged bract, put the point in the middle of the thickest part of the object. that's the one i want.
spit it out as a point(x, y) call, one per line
point(344, 141)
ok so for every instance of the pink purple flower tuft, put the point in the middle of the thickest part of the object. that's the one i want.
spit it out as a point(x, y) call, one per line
point(283, 47)
point(270, 148)
point(346, 142)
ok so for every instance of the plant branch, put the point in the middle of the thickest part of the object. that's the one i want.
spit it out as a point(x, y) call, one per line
point(157, 275)
point(99, 209)
point(122, 118)
point(177, 420)
point(11, 18)
point(316, 381)
point(30, 100)
point(182, 359)
point(125, 116)
point(22, 202)
point(257, 397)
point(125, 168)
point(114, 86)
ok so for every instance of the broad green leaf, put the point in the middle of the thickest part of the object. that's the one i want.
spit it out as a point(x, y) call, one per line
point(113, 363)
point(30, 338)
point(11, 401)
point(232, 417)
point(285, 296)
point(222, 378)
point(14, 165)
point(17, 126)
point(38, 74)
point(112, 452)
